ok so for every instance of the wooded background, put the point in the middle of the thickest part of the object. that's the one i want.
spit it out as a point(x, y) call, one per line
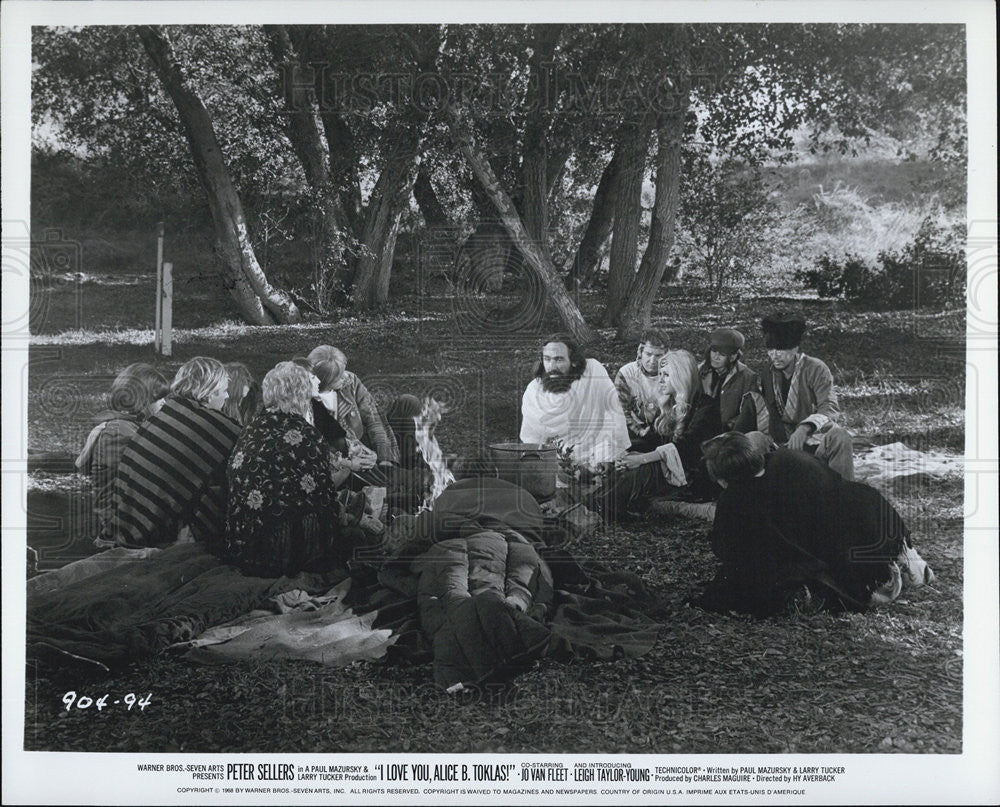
point(313, 169)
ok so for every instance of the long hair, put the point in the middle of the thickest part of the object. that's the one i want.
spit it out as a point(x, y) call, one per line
point(238, 406)
point(577, 358)
point(198, 377)
point(288, 388)
point(682, 367)
point(136, 388)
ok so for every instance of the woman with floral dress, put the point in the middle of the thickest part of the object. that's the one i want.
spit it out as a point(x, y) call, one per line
point(283, 516)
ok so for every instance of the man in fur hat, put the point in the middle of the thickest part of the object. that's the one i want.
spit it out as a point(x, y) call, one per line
point(799, 398)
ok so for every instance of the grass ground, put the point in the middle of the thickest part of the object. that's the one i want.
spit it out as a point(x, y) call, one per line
point(890, 680)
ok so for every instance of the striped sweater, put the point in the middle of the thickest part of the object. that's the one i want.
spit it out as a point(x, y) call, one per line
point(172, 473)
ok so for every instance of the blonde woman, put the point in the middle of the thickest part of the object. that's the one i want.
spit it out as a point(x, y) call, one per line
point(172, 471)
point(679, 387)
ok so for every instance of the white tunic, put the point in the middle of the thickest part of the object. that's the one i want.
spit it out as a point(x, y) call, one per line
point(588, 418)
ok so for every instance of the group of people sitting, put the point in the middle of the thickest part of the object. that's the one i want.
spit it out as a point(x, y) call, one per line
point(271, 476)
point(276, 477)
point(643, 433)
point(766, 444)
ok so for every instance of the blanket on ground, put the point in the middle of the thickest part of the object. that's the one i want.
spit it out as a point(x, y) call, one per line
point(484, 601)
point(314, 628)
point(139, 608)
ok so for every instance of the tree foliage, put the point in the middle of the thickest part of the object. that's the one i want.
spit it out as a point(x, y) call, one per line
point(330, 131)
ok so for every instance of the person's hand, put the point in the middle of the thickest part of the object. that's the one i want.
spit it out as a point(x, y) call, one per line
point(362, 463)
point(629, 462)
point(386, 464)
point(798, 439)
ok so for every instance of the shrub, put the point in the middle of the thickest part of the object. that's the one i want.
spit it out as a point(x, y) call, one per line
point(928, 271)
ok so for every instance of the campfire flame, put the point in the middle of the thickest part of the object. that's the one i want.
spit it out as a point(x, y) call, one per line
point(427, 443)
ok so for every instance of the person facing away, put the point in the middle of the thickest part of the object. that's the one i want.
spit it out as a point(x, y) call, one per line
point(136, 393)
point(283, 514)
point(797, 405)
point(786, 520)
point(172, 471)
point(244, 393)
point(637, 384)
point(572, 402)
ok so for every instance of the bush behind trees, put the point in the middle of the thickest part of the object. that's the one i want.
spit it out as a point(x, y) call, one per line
point(928, 271)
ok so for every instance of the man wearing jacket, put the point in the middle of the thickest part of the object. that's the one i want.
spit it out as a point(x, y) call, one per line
point(799, 398)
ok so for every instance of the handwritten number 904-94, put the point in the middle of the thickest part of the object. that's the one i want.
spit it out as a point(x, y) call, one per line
point(85, 702)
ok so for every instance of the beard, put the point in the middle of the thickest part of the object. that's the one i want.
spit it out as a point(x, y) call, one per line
point(558, 382)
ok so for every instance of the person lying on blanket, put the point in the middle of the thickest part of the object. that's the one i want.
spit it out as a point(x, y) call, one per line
point(172, 471)
point(283, 515)
point(789, 530)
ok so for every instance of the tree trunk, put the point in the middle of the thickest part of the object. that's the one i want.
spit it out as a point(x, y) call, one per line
point(385, 265)
point(637, 311)
point(382, 215)
point(307, 142)
point(582, 267)
point(401, 145)
point(538, 261)
point(258, 301)
point(427, 200)
point(627, 218)
point(533, 190)
point(371, 279)
point(314, 44)
point(534, 162)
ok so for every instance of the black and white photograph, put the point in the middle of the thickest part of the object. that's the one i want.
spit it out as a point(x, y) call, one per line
point(500, 403)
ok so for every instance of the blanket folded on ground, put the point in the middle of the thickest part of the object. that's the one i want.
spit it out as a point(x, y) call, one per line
point(884, 466)
point(321, 629)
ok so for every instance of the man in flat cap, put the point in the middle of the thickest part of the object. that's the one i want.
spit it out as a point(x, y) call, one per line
point(799, 398)
point(725, 378)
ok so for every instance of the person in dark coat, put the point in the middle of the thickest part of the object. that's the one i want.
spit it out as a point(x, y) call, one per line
point(787, 520)
point(724, 378)
point(283, 516)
